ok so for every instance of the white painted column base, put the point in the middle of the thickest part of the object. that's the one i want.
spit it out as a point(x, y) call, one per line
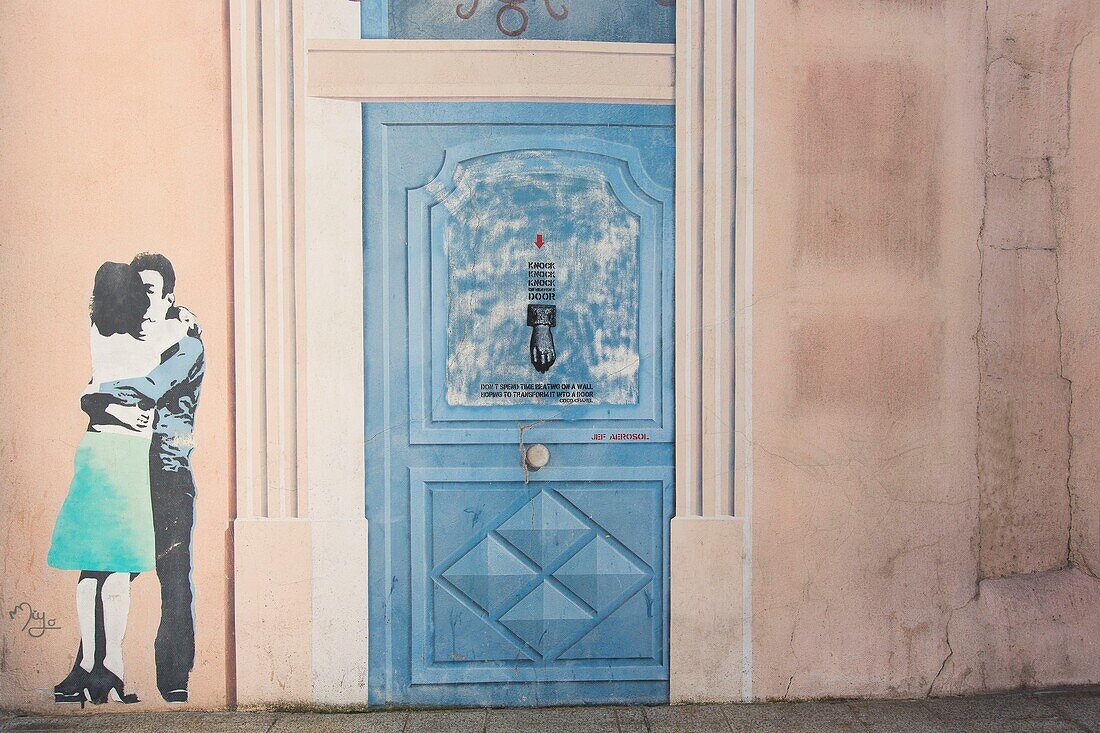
point(705, 629)
point(272, 609)
point(300, 610)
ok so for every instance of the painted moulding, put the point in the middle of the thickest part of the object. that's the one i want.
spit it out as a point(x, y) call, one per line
point(636, 203)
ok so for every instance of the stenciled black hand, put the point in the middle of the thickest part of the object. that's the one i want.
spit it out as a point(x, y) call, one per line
point(542, 348)
point(542, 318)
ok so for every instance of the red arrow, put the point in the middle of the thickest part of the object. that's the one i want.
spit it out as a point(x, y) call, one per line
point(538, 241)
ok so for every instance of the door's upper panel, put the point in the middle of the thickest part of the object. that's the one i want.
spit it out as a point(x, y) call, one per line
point(539, 267)
point(646, 21)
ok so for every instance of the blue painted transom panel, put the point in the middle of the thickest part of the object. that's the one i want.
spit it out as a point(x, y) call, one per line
point(652, 21)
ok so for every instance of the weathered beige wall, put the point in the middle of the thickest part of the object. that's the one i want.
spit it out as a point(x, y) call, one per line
point(1035, 619)
point(113, 140)
point(922, 345)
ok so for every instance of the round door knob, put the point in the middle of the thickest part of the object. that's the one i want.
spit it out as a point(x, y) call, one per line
point(537, 455)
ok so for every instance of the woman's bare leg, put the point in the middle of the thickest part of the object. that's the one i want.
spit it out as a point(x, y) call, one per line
point(116, 610)
point(86, 590)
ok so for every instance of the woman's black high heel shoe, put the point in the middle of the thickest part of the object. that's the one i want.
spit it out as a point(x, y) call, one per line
point(71, 689)
point(102, 683)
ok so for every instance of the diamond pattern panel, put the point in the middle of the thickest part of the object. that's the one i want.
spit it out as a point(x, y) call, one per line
point(599, 573)
point(545, 618)
point(489, 573)
point(533, 576)
point(543, 529)
point(533, 584)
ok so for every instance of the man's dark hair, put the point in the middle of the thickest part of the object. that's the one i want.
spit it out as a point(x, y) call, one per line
point(158, 263)
point(119, 300)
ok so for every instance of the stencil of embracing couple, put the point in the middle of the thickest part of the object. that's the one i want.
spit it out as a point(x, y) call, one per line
point(131, 504)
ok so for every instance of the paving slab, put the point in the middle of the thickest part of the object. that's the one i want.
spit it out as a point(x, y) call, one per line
point(1001, 714)
point(687, 719)
point(173, 722)
point(554, 720)
point(1081, 708)
point(40, 725)
point(1049, 725)
point(447, 721)
point(898, 716)
point(801, 717)
point(991, 708)
point(632, 720)
point(380, 722)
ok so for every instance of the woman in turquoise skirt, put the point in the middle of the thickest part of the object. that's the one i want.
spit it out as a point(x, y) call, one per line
point(105, 526)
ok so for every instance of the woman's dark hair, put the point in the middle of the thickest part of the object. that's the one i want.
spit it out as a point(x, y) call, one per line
point(119, 300)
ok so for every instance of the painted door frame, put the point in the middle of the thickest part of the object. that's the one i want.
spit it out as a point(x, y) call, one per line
point(299, 71)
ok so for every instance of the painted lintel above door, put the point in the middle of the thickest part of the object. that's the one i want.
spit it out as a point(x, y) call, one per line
point(411, 70)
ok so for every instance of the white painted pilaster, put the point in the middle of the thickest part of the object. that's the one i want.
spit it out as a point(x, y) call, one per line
point(707, 631)
point(333, 187)
point(271, 547)
point(300, 536)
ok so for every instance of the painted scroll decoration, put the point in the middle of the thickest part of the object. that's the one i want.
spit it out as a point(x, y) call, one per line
point(512, 18)
point(645, 21)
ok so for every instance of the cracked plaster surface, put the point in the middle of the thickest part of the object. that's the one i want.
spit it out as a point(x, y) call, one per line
point(927, 531)
point(1025, 627)
point(1026, 396)
point(1075, 181)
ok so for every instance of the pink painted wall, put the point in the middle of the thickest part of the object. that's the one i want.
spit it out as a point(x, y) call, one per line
point(114, 139)
point(925, 485)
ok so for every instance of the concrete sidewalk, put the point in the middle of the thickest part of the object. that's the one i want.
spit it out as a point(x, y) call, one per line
point(1072, 711)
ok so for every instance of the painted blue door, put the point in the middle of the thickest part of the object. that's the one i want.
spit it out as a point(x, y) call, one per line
point(518, 275)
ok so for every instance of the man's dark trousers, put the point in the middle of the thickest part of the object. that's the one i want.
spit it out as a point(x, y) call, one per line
point(173, 496)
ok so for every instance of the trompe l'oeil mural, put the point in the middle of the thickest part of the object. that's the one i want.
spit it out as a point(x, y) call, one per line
point(130, 506)
point(558, 276)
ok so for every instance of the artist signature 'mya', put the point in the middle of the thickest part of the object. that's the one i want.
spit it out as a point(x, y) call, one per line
point(36, 624)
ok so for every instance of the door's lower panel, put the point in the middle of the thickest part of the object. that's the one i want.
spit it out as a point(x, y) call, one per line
point(560, 579)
